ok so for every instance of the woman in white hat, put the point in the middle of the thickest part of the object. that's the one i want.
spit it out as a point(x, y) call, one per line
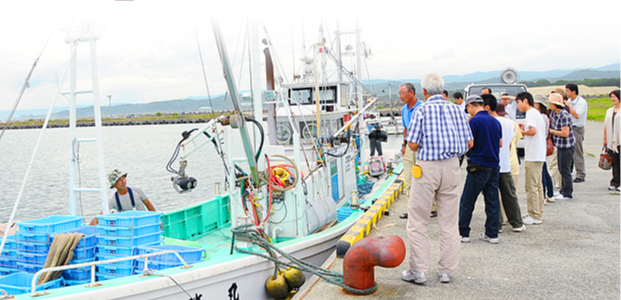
point(561, 129)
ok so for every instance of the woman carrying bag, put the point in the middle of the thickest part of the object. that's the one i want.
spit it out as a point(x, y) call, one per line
point(612, 138)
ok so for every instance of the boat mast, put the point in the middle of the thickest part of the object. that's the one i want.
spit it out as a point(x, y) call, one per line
point(228, 75)
point(74, 37)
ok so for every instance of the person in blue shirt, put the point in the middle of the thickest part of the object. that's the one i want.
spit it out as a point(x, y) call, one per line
point(483, 171)
point(407, 94)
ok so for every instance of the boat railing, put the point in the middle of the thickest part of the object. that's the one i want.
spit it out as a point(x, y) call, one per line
point(92, 264)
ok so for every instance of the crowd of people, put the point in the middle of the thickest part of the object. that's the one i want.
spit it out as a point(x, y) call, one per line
point(438, 134)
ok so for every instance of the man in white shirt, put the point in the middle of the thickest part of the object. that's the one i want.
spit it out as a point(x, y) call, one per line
point(534, 133)
point(578, 109)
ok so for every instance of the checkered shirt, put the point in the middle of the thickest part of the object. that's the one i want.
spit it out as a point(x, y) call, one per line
point(559, 121)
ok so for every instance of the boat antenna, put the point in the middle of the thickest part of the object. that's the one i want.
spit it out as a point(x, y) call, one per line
point(26, 82)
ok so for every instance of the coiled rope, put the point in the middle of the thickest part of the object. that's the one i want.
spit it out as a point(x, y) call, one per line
point(252, 235)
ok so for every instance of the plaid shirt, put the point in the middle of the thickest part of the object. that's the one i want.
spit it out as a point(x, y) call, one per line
point(559, 121)
point(440, 129)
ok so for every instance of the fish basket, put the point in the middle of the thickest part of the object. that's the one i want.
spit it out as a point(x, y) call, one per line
point(191, 255)
point(87, 241)
point(130, 219)
point(128, 231)
point(50, 224)
point(21, 283)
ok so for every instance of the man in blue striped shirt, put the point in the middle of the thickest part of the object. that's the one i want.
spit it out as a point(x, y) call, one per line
point(439, 131)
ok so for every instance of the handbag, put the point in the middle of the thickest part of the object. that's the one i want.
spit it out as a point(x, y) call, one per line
point(605, 161)
point(549, 147)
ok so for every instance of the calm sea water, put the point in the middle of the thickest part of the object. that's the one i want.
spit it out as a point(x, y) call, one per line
point(141, 151)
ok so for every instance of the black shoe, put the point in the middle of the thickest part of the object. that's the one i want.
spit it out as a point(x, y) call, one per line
point(579, 180)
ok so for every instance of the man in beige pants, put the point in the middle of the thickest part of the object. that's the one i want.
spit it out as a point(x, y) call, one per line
point(436, 120)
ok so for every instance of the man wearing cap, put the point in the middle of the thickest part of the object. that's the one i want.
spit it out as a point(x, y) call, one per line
point(561, 130)
point(483, 171)
point(440, 133)
point(578, 109)
point(534, 133)
point(125, 198)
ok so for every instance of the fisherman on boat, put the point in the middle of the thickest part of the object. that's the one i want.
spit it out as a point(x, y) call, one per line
point(125, 197)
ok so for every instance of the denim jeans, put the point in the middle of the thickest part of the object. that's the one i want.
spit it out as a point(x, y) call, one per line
point(546, 179)
point(485, 181)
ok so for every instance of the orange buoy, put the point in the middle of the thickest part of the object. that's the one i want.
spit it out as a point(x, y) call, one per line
point(361, 259)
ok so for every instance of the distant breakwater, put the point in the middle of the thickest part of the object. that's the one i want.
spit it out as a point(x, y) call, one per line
point(113, 123)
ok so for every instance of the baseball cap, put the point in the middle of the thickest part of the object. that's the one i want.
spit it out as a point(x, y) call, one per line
point(472, 99)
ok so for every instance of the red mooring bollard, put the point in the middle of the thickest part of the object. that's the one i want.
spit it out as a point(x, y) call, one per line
point(361, 259)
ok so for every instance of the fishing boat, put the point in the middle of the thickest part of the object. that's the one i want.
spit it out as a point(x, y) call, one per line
point(297, 187)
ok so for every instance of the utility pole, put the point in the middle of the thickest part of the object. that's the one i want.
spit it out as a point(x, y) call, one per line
point(110, 107)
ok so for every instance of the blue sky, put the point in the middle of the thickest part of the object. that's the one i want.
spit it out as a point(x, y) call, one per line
point(148, 50)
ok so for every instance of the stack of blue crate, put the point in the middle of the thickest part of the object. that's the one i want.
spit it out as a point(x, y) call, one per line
point(190, 255)
point(8, 259)
point(33, 239)
point(83, 253)
point(119, 234)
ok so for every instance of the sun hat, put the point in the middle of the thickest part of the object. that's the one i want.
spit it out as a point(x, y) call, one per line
point(556, 99)
point(114, 176)
point(500, 110)
point(541, 99)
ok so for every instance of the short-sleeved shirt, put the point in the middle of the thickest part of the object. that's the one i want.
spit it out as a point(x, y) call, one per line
point(560, 120)
point(505, 150)
point(487, 133)
point(126, 202)
point(406, 113)
point(582, 108)
point(535, 145)
point(440, 129)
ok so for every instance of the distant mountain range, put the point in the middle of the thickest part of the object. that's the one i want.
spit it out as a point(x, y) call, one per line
point(380, 86)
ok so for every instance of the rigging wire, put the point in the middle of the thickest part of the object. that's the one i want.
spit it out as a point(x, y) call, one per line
point(26, 82)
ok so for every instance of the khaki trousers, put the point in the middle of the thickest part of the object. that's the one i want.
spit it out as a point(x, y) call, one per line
point(534, 189)
point(442, 180)
point(553, 167)
point(409, 159)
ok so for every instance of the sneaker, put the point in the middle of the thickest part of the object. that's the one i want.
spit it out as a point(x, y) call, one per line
point(486, 238)
point(578, 179)
point(465, 239)
point(519, 229)
point(413, 276)
point(530, 221)
point(444, 278)
point(556, 194)
point(612, 188)
point(550, 199)
point(561, 198)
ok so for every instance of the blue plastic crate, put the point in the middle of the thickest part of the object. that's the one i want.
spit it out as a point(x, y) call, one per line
point(115, 270)
point(7, 271)
point(104, 277)
point(128, 241)
point(77, 274)
point(8, 262)
point(83, 253)
point(81, 261)
point(33, 237)
point(128, 231)
point(191, 255)
point(31, 258)
point(129, 262)
point(50, 224)
point(11, 242)
point(9, 253)
point(154, 265)
point(30, 268)
point(88, 240)
point(72, 282)
point(33, 247)
point(114, 250)
point(130, 218)
point(21, 283)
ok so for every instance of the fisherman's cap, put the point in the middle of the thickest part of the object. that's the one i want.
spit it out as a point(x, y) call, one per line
point(541, 99)
point(556, 98)
point(500, 110)
point(114, 176)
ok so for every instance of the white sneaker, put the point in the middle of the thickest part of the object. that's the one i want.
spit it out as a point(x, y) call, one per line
point(444, 278)
point(612, 188)
point(562, 198)
point(465, 239)
point(530, 221)
point(486, 238)
point(557, 193)
point(519, 229)
point(413, 276)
